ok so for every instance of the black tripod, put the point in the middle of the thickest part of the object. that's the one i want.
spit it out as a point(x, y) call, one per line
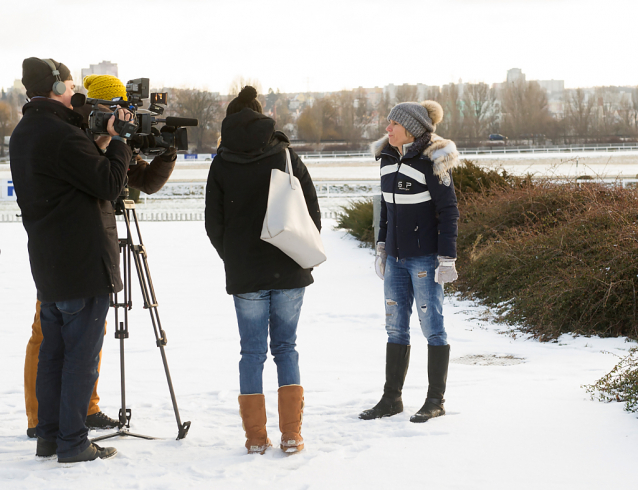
point(128, 248)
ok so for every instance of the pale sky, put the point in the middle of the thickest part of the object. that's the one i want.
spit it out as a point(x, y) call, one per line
point(327, 45)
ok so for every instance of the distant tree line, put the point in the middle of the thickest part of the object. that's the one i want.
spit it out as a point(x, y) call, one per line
point(519, 111)
point(350, 119)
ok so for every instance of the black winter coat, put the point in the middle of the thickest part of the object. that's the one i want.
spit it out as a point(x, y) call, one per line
point(236, 200)
point(419, 212)
point(65, 187)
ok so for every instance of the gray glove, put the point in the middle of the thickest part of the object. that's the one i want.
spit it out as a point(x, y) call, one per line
point(446, 271)
point(379, 260)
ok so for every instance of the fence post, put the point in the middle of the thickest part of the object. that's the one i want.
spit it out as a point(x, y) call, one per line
point(376, 214)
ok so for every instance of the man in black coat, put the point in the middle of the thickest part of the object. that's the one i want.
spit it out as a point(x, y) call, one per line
point(65, 186)
point(148, 178)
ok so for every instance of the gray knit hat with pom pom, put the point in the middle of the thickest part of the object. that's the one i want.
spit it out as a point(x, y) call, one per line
point(416, 117)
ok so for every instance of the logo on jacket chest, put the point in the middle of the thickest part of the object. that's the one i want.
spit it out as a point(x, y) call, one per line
point(404, 185)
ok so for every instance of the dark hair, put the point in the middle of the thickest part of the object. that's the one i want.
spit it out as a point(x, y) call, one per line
point(247, 98)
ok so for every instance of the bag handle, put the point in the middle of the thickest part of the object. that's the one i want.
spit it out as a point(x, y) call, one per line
point(289, 169)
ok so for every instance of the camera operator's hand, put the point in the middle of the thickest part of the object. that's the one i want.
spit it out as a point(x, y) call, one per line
point(122, 114)
point(170, 154)
point(102, 141)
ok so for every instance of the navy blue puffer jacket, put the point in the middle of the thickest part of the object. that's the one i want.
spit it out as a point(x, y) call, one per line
point(419, 212)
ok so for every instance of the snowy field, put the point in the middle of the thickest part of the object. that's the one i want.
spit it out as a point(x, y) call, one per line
point(560, 165)
point(619, 164)
point(517, 415)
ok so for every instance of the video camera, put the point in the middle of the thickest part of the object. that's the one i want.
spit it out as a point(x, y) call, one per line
point(141, 133)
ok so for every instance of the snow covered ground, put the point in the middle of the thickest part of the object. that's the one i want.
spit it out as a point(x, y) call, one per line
point(561, 165)
point(619, 164)
point(517, 415)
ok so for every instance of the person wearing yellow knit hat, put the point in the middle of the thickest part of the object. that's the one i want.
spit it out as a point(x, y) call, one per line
point(146, 177)
point(105, 87)
point(149, 178)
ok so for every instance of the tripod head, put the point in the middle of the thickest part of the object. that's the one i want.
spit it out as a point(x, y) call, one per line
point(122, 203)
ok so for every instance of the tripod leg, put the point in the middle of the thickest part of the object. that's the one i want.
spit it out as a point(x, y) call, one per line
point(121, 329)
point(150, 302)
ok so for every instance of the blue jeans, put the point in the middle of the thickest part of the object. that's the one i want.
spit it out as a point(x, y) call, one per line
point(73, 334)
point(277, 309)
point(406, 280)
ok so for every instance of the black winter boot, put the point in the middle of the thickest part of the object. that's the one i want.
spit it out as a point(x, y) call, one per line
point(438, 360)
point(100, 420)
point(397, 358)
point(91, 453)
point(46, 449)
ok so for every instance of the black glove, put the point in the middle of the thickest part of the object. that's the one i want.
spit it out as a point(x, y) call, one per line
point(144, 142)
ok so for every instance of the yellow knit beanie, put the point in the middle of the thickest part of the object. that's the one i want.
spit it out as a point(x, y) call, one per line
point(106, 87)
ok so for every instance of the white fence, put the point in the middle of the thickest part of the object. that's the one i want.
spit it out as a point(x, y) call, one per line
point(504, 150)
point(154, 216)
point(494, 150)
point(324, 188)
point(185, 159)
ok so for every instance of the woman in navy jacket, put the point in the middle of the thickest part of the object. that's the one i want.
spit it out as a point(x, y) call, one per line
point(416, 248)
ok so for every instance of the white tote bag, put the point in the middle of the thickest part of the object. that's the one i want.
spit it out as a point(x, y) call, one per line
point(287, 224)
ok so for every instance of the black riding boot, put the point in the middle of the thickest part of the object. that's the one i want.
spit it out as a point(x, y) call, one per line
point(397, 358)
point(438, 360)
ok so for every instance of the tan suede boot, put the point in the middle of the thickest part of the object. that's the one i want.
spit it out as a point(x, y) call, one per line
point(252, 409)
point(290, 416)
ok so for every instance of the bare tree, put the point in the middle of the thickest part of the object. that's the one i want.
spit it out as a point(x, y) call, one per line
point(626, 114)
point(282, 114)
point(579, 111)
point(347, 124)
point(451, 125)
point(6, 123)
point(525, 110)
point(406, 93)
point(364, 113)
point(380, 114)
point(479, 110)
point(239, 83)
point(605, 116)
point(310, 122)
point(206, 107)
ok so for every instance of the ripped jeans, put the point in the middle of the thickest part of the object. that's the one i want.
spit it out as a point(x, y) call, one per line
point(407, 280)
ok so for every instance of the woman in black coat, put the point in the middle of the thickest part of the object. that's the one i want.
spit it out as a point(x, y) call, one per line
point(267, 285)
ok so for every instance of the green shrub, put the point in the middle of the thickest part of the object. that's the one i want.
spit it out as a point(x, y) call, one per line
point(357, 219)
point(620, 384)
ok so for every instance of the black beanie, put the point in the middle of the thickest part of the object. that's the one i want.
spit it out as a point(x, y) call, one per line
point(246, 98)
point(37, 76)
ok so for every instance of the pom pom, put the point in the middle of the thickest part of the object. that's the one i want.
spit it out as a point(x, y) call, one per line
point(247, 94)
point(435, 111)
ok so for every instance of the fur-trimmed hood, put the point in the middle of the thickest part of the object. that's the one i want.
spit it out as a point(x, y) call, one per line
point(441, 151)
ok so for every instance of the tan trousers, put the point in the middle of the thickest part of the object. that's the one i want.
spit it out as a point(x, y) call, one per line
point(31, 372)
